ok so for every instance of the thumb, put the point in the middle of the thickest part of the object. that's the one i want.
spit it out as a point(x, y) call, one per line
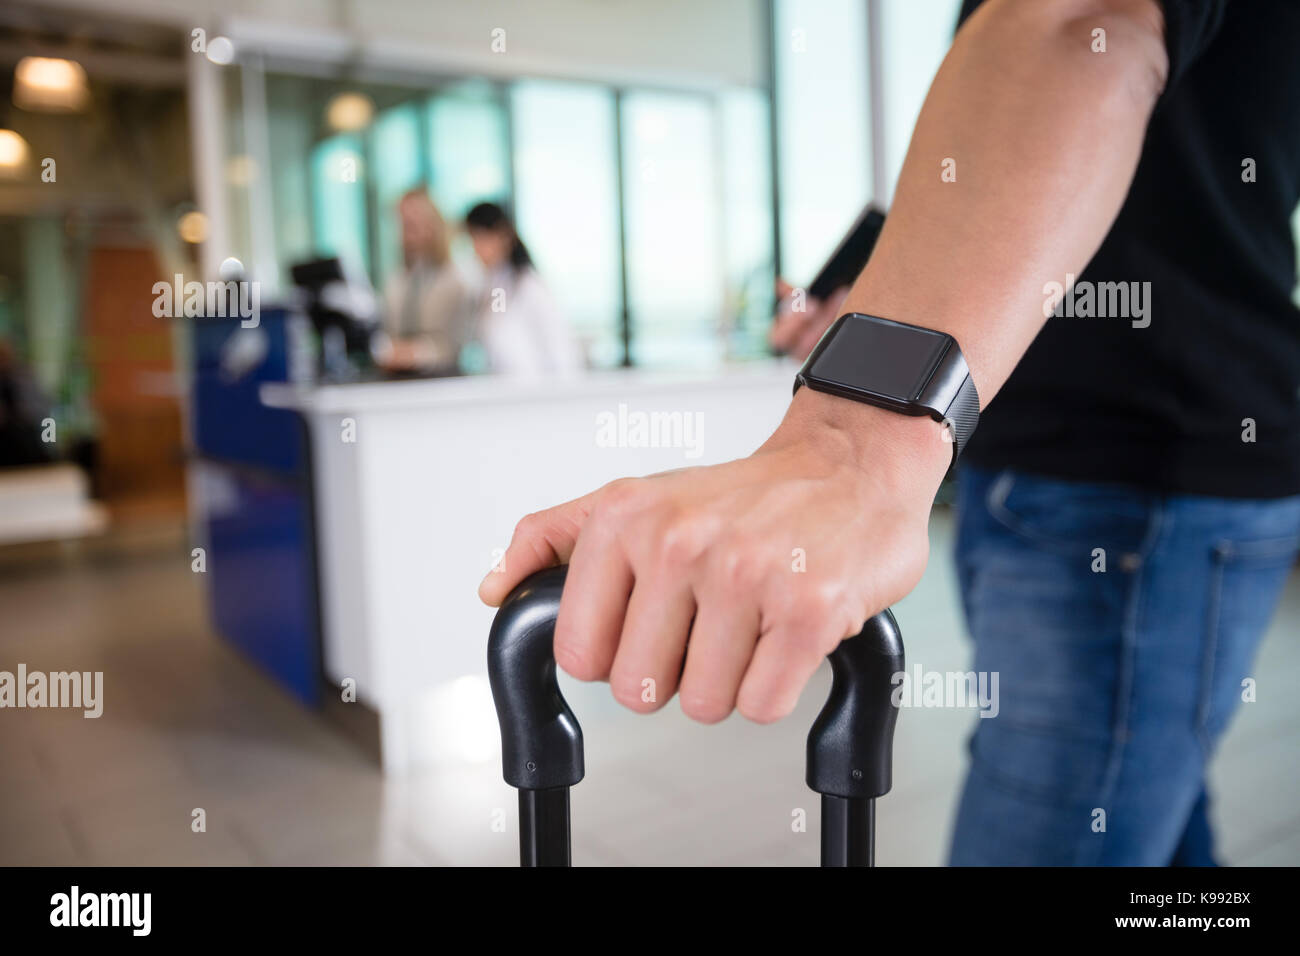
point(541, 540)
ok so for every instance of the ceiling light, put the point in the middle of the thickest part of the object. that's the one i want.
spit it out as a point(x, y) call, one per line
point(193, 227)
point(13, 154)
point(349, 112)
point(50, 85)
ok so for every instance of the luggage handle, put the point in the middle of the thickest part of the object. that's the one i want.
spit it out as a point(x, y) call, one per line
point(850, 745)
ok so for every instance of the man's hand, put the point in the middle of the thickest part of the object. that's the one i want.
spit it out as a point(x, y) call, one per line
point(765, 563)
point(794, 333)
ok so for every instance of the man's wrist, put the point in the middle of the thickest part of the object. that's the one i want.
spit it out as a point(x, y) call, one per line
point(869, 437)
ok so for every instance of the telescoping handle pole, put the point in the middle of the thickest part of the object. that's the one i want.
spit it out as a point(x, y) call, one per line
point(851, 743)
point(541, 742)
point(849, 747)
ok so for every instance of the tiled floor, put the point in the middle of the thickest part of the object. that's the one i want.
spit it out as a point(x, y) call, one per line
point(189, 724)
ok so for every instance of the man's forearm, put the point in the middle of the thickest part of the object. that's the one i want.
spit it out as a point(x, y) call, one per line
point(1041, 137)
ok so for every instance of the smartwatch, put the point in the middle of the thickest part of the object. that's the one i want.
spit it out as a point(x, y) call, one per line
point(904, 368)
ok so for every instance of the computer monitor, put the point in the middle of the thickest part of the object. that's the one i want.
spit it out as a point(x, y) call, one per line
point(342, 307)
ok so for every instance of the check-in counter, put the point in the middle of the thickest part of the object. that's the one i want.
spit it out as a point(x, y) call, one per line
point(418, 486)
point(250, 497)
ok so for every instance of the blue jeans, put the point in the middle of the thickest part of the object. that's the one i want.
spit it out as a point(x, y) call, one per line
point(1123, 625)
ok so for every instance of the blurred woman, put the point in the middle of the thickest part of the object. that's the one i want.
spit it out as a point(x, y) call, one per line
point(426, 304)
point(519, 326)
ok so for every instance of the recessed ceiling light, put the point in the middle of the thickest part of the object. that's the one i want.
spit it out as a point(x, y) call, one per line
point(50, 85)
point(193, 227)
point(13, 153)
point(349, 112)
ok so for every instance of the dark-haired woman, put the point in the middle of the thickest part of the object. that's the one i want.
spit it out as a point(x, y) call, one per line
point(519, 326)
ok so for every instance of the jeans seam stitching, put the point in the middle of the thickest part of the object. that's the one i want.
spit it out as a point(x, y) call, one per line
point(1207, 659)
point(1128, 653)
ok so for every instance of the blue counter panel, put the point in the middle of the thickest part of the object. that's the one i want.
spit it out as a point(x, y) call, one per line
point(255, 486)
point(230, 423)
point(261, 576)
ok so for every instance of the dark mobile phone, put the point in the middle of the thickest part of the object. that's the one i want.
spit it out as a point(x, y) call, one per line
point(850, 256)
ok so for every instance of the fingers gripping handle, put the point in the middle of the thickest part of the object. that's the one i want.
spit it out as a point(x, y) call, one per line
point(849, 747)
point(541, 742)
point(851, 744)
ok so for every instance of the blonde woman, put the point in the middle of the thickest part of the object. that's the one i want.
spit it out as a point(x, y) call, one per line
point(425, 303)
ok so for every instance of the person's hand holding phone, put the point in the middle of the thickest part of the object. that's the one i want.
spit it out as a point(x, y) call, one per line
point(801, 319)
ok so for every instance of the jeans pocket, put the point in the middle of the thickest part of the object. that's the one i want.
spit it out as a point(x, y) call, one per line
point(1071, 518)
point(1247, 577)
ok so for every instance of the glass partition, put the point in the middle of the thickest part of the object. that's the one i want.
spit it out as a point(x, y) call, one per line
point(648, 212)
point(395, 167)
point(339, 213)
point(567, 204)
point(823, 126)
point(671, 201)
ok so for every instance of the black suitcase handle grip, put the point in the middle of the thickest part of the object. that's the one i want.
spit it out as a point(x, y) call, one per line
point(850, 745)
point(541, 742)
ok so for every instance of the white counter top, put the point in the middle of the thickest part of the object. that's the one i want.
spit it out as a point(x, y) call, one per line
point(418, 485)
point(494, 389)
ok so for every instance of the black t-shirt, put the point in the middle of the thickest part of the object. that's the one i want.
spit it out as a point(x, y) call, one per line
point(1170, 404)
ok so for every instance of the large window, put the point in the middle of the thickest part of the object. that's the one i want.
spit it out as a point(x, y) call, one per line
point(647, 212)
point(674, 253)
point(454, 142)
point(652, 213)
point(339, 200)
point(823, 128)
point(469, 147)
point(748, 237)
point(568, 204)
point(395, 168)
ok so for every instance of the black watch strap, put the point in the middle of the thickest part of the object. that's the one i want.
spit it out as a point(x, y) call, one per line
point(959, 421)
point(963, 415)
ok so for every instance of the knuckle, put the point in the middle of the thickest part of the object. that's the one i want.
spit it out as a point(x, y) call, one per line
point(737, 568)
point(683, 539)
point(814, 626)
point(810, 608)
point(621, 497)
point(810, 639)
point(530, 525)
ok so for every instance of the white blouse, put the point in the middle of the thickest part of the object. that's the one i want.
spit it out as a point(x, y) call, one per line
point(521, 328)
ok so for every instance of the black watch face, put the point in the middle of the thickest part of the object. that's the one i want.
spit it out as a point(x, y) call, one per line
point(880, 356)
